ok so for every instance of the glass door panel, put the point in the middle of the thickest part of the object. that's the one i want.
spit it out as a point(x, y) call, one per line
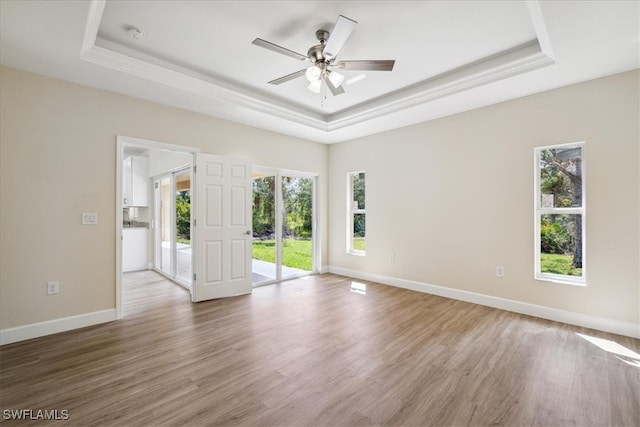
point(297, 226)
point(163, 225)
point(264, 228)
point(183, 225)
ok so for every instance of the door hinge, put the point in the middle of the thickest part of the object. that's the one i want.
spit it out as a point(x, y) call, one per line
point(195, 222)
point(194, 168)
point(194, 277)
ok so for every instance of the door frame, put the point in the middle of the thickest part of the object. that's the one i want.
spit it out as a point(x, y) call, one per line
point(121, 143)
point(278, 173)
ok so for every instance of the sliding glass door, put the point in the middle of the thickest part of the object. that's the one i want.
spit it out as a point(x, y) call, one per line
point(283, 225)
point(172, 226)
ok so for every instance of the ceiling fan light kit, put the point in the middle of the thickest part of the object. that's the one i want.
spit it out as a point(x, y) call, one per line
point(335, 78)
point(313, 73)
point(323, 57)
point(315, 86)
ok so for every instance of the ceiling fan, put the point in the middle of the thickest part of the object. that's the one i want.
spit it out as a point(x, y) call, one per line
point(323, 57)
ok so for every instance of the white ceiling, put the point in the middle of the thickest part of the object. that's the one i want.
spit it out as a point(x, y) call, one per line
point(451, 56)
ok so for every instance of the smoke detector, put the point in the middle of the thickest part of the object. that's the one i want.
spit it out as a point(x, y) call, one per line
point(136, 34)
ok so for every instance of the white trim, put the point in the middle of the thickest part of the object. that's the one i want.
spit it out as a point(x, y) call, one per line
point(540, 27)
point(512, 62)
point(531, 55)
point(40, 329)
point(578, 319)
point(119, 204)
point(92, 26)
point(205, 86)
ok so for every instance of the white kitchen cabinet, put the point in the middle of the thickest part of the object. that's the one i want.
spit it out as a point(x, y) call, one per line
point(135, 252)
point(135, 181)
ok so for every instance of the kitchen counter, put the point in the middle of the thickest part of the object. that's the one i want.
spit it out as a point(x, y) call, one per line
point(135, 224)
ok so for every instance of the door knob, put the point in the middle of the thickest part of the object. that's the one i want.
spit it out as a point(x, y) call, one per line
point(248, 232)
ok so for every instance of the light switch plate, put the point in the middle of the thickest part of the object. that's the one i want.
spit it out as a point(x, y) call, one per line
point(89, 218)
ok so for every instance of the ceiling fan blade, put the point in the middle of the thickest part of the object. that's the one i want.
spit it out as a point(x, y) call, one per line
point(279, 49)
point(367, 65)
point(335, 91)
point(288, 77)
point(341, 32)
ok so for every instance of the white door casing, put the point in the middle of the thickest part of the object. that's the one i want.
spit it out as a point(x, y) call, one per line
point(223, 238)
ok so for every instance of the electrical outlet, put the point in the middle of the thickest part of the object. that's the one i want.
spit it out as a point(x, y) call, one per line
point(392, 257)
point(500, 271)
point(53, 288)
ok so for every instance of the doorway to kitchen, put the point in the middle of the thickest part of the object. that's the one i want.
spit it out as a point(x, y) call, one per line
point(284, 225)
point(213, 191)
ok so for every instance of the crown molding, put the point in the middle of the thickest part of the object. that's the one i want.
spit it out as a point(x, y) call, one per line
point(521, 59)
point(231, 101)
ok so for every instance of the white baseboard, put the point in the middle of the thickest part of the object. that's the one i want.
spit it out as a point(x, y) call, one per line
point(599, 323)
point(35, 330)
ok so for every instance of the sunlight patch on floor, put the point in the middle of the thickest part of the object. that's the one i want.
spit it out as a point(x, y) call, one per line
point(615, 348)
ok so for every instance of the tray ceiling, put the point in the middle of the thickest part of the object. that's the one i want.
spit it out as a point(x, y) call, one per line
point(450, 56)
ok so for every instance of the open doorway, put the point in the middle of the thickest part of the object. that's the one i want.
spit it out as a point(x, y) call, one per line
point(284, 225)
point(138, 222)
point(219, 189)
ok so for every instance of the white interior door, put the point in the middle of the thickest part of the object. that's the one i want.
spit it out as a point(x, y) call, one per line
point(223, 238)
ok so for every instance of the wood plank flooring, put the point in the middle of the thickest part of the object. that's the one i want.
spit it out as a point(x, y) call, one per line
point(312, 352)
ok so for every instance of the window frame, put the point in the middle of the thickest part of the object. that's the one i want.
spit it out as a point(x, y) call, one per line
point(351, 212)
point(539, 211)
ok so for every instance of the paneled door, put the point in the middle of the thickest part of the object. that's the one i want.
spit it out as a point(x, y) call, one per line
point(223, 236)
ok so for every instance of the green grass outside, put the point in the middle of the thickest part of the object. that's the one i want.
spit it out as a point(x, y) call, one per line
point(296, 253)
point(558, 264)
point(359, 244)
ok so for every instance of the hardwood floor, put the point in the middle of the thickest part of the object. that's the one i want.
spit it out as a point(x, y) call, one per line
point(312, 352)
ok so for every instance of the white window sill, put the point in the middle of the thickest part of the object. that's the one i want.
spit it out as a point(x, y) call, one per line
point(357, 253)
point(563, 280)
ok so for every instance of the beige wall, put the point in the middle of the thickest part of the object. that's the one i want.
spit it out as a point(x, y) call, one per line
point(453, 198)
point(58, 154)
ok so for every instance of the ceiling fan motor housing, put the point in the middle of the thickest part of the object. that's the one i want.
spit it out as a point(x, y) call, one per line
point(316, 54)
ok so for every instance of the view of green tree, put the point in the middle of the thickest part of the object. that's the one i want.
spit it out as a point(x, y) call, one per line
point(561, 187)
point(183, 216)
point(359, 219)
point(297, 194)
point(264, 206)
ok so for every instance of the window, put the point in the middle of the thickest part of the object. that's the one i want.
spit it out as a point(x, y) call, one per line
point(356, 215)
point(560, 213)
